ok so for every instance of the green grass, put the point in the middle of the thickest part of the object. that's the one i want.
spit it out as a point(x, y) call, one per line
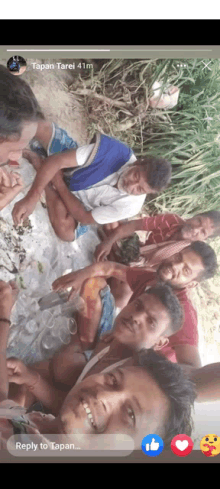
point(188, 135)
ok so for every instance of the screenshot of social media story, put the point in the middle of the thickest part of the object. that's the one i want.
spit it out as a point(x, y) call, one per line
point(110, 243)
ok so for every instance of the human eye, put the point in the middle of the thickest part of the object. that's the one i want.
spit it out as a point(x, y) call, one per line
point(151, 323)
point(131, 415)
point(138, 304)
point(112, 380)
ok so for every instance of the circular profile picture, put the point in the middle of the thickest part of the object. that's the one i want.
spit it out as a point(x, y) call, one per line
point(16, 65)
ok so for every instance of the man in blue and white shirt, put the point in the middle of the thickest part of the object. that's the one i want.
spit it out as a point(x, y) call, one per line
point(100, 183)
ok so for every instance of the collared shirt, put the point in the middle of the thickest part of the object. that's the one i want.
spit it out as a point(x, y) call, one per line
point(161, 227)
point(106, 202)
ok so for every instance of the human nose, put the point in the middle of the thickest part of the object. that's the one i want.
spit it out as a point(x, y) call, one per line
point(135, 320)
point(15, 155)
point(112, 393)
point(196, 230)
point(178, 267)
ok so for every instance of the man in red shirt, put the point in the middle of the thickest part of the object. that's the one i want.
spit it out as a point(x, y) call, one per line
point(169, 229)
point(182, 271)
point(183, 344)
point(164, 227)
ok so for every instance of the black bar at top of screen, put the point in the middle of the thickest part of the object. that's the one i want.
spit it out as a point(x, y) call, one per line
point(111, 32)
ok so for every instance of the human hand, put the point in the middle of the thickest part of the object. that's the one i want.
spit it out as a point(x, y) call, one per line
point(18, 373)
point(10, 185)
point(102, 251)
point(22, 210)
point(72, 280)
point(8, 295)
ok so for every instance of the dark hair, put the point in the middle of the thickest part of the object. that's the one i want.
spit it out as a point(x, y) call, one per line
point(17, 105)
point(157, 172)
point(176, 386)
point(169, 299)
point(208, 257)
point(215, 218)
point(129, 250)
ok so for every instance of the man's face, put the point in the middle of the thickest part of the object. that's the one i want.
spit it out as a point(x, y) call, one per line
point(133, 182)
point(142, 323)
point(198, 228)
point(126, 400)
point(181, 269)
point(12, 149)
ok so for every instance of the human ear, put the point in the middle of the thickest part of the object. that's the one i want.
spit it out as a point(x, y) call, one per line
point(163, 341)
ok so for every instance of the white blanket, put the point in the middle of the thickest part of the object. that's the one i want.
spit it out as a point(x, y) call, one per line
point(40, 257)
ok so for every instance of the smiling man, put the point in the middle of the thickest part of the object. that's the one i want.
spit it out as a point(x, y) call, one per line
point(131, 400)
point(151, 395)
point(182, 271)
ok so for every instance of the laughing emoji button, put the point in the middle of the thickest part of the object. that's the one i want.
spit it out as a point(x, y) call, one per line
point(210, 445)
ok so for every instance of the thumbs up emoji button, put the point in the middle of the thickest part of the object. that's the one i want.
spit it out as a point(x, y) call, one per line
point(152, 445)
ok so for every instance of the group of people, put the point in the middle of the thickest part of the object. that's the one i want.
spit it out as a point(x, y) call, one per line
point(136, 372)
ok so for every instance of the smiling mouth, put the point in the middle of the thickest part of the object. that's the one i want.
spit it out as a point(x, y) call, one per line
point(88, 413)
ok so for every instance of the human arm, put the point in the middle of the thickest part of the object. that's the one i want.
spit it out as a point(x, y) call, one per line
point(122, 231)
point(45, 174)
point(44, 133)
point(76, 279)
point(50, 397)
point(207, 381)
point(160, 226)
point(185, 342)
point(188, 355)
point(10, 185)
point(6, 303)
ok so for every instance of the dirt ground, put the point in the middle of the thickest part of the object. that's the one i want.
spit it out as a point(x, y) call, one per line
point(58, 104)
